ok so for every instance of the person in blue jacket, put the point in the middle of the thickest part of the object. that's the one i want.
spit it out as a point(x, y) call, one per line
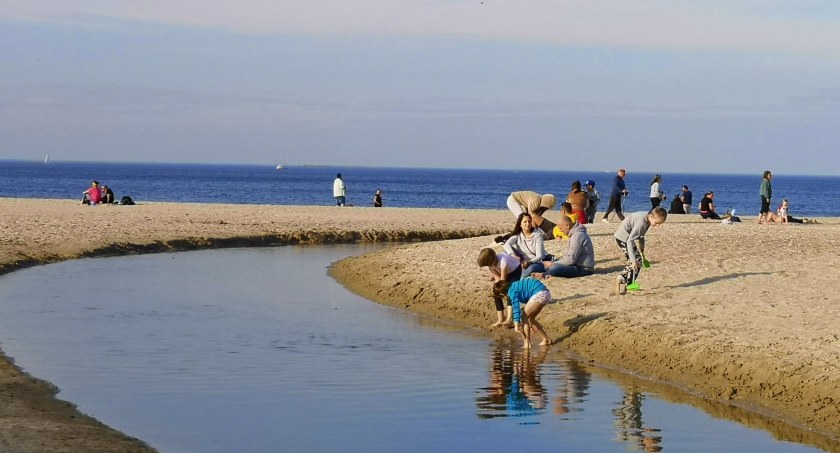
point(533, 295)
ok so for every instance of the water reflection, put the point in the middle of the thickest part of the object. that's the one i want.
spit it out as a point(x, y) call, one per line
point(573, 388)
point(630, 428)
point(515, 389)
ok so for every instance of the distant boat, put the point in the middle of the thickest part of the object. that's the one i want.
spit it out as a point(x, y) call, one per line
point(47, 159)
point(281, 167)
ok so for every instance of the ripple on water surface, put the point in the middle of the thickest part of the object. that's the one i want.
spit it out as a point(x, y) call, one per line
point(250, 350)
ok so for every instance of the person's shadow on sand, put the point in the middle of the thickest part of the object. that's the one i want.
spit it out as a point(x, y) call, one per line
point(706, 281)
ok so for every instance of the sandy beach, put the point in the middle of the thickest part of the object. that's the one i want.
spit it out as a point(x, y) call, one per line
point(746, 314)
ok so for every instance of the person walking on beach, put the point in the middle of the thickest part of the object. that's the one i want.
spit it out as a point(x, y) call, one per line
point(656, 193)
point(686, 199)
point(766, 193)
point(339, 190)
point(618, 190)
point(377, 199)
point(503, 267)
point(631, 230)
point(93, 194)
point(579, 258)
point(534, 295)
point(594, 199)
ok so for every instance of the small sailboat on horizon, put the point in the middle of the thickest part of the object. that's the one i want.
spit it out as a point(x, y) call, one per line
point(47, 159)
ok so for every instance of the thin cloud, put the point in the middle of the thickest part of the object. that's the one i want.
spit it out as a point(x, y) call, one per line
point(763, 26)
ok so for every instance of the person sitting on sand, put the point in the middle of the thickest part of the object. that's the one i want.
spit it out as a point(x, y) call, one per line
point(579, 258)
point(707, 207)
point(633, 228)
point(505, 268)
point(566, 210)
point(677, 205)
point(784, 212)
point(528, 244)
point(107, 195)
point(534, 296)
point(93, 195)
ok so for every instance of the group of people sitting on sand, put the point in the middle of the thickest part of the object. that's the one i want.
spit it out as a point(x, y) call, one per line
point(96, 194)
point(525, 255)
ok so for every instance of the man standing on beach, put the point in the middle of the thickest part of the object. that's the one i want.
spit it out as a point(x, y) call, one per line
point(686, 199)
point(339, 190)
point(618, 191)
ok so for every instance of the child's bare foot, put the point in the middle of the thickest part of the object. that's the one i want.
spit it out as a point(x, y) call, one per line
point(496, 324)
point(537, 275)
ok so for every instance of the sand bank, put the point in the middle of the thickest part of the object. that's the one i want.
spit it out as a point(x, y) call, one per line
point(747, 313)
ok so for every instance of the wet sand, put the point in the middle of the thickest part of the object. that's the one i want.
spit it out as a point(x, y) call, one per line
point(746, 314)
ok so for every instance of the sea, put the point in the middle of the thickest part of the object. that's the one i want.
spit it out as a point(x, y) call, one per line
point(809, 196)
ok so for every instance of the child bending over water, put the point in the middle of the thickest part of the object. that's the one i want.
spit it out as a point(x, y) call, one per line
point(503, 267)
point(534, 296)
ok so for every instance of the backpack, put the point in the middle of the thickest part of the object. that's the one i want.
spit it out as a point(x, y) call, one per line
point(126, 200)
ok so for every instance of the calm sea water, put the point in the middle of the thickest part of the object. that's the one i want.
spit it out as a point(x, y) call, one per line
point(402, 187)
point(258, 350)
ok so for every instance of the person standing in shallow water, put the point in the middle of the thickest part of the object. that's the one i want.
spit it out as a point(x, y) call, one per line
point(377, 199)
point(339, 190)
point(766, 193)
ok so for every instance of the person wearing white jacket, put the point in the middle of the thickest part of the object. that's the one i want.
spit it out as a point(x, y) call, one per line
point(339, 190)
point(528, 244)
point(656, 193)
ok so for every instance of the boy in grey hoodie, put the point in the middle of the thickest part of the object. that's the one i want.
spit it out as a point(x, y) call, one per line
point(633, 228)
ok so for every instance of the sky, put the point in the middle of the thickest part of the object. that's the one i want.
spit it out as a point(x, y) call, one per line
point(694, 86)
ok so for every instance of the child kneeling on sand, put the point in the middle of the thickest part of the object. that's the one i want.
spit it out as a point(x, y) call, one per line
point(632, 229)
point(503, 267)
point(534, 295)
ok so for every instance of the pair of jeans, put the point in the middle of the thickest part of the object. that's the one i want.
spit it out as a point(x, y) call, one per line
point(563, 270)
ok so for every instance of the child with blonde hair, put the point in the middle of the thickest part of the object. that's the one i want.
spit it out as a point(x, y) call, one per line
point(632, 229)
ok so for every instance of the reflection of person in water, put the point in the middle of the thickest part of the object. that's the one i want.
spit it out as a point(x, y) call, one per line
point(515, 389)
point(573, 391)
point(630, 427)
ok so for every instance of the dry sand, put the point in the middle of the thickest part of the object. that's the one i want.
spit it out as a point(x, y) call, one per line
point(746, 313)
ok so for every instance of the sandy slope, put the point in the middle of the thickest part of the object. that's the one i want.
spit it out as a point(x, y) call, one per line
point(746, 313)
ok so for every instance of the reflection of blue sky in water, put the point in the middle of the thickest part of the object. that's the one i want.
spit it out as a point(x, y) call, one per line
point(245, 350)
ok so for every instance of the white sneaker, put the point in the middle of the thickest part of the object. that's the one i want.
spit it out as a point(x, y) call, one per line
point(605, 220)
point(620, 287)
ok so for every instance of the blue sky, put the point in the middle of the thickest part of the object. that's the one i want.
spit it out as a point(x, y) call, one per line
point(680, 86)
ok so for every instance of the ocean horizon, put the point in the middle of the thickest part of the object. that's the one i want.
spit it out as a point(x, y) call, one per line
point(809, 196)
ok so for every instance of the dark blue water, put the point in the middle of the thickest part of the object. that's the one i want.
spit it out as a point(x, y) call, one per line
point(402, 187)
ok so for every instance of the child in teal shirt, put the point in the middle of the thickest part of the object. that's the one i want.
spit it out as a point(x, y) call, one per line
point(534, 296)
